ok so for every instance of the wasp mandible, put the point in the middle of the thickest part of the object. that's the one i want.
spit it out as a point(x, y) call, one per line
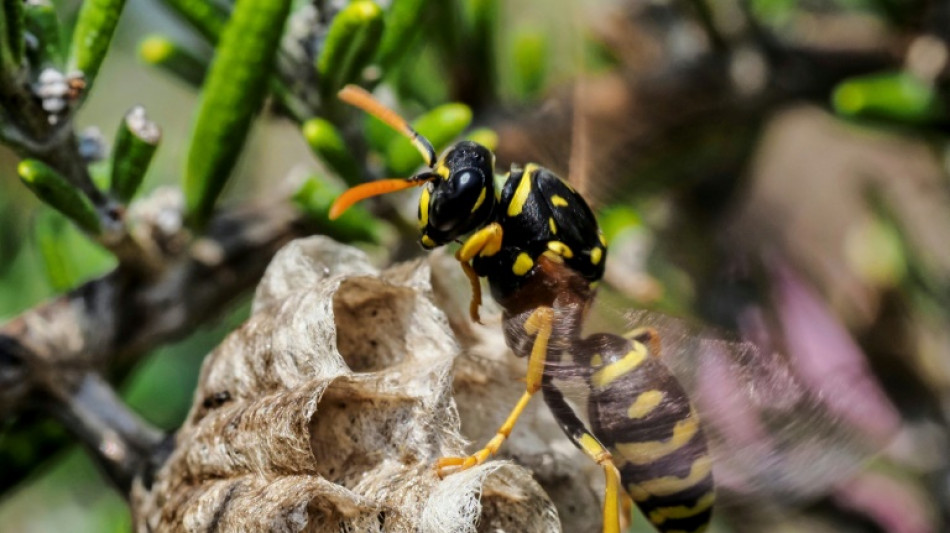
point(539, 245)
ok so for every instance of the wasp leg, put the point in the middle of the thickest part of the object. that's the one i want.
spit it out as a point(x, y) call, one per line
point(647, 336)
point(539, 322)
point(486, 242)
point(588, 443)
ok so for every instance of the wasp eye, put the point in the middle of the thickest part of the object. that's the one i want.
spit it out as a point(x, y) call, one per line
point(456, 199)
point(464, 178)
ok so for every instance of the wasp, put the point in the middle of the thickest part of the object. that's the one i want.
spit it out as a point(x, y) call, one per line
point(538, 244)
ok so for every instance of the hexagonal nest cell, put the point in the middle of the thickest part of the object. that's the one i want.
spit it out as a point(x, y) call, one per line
point(328, 408)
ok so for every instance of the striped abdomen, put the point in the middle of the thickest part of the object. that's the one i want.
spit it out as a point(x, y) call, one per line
point(641, 414)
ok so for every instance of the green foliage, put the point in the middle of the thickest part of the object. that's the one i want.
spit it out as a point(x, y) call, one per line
point(616, 219)
point(67, 257)
point(233, 92)
point(485, 137)
point(351, 43)
point(164, 53)
point(316, 196)
point(205, 16)
point(48, 230)
point(327, 143)
point(92, 35)
point(531, 51)
point(403, 23)
point(441, 126)
point(135, 144)
point(43, 24)
point(51, 187)
point(13, 24)
point(896, 96)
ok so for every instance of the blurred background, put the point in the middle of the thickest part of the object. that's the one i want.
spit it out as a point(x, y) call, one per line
point(775, 169)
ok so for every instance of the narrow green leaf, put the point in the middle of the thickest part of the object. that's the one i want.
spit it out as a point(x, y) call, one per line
point(92, 35)
point(479, 45)
point(892, 96)
point(351, 42)
point(7, 63)
point(531, 50)
point(402, 25)
point(378, 134)
point(52, 188)
point(160, 51)
point(49, 229)
point(43, 24)
point(440, 126)
point(206, 16)
point(14, 24)
point(485, 137)
point(233, 92)
point(327, 143)
point(316, 196)
point(135, 145)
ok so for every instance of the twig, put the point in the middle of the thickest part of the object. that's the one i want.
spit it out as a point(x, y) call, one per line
point(123, 443)
point(51, 355)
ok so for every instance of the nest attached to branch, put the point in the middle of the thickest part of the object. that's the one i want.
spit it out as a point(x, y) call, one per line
point(327, 409)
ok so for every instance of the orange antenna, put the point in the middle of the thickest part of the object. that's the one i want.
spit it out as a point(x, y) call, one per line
point(359, 97)
point(374, 188)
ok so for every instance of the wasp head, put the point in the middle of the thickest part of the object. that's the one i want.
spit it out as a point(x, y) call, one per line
point(461, 196)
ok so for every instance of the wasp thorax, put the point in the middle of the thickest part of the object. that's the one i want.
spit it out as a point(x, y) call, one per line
point(462, 198)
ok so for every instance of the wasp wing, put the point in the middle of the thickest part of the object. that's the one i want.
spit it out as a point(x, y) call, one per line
point(773, 436)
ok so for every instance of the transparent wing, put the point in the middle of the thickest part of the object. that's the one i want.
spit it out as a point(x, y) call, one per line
point(777, 437)
point(788, 406)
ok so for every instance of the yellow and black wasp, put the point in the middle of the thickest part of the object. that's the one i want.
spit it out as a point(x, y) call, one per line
point(539, 245)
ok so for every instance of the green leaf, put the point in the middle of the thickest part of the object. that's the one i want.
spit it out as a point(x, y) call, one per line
point(351, 42)
point(52, 188)
point(13, 26)
point(378, 134)
point(92, 35)
point(316, 196)
point(327, 143)
point(135, 145)
point(402, 25)
point(49, 229)
point(530, 60)
point(440, 126)
point(485, 137)
point(43, 24)
point(205, 16)
point(891, 96)
point(233, 92)
point(479, 45)
point(160, 51)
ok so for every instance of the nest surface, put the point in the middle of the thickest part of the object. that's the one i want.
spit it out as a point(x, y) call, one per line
point(328, 408)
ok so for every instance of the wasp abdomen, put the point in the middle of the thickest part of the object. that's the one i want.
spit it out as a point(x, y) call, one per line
point(641, 414)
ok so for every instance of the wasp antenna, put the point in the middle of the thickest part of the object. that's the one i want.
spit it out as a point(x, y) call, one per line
point(373, 188)
point(359, 97)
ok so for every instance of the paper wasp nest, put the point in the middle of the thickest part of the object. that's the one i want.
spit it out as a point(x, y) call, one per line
point(327, 409)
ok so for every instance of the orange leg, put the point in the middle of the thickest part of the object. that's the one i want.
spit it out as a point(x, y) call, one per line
point(540, 322)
